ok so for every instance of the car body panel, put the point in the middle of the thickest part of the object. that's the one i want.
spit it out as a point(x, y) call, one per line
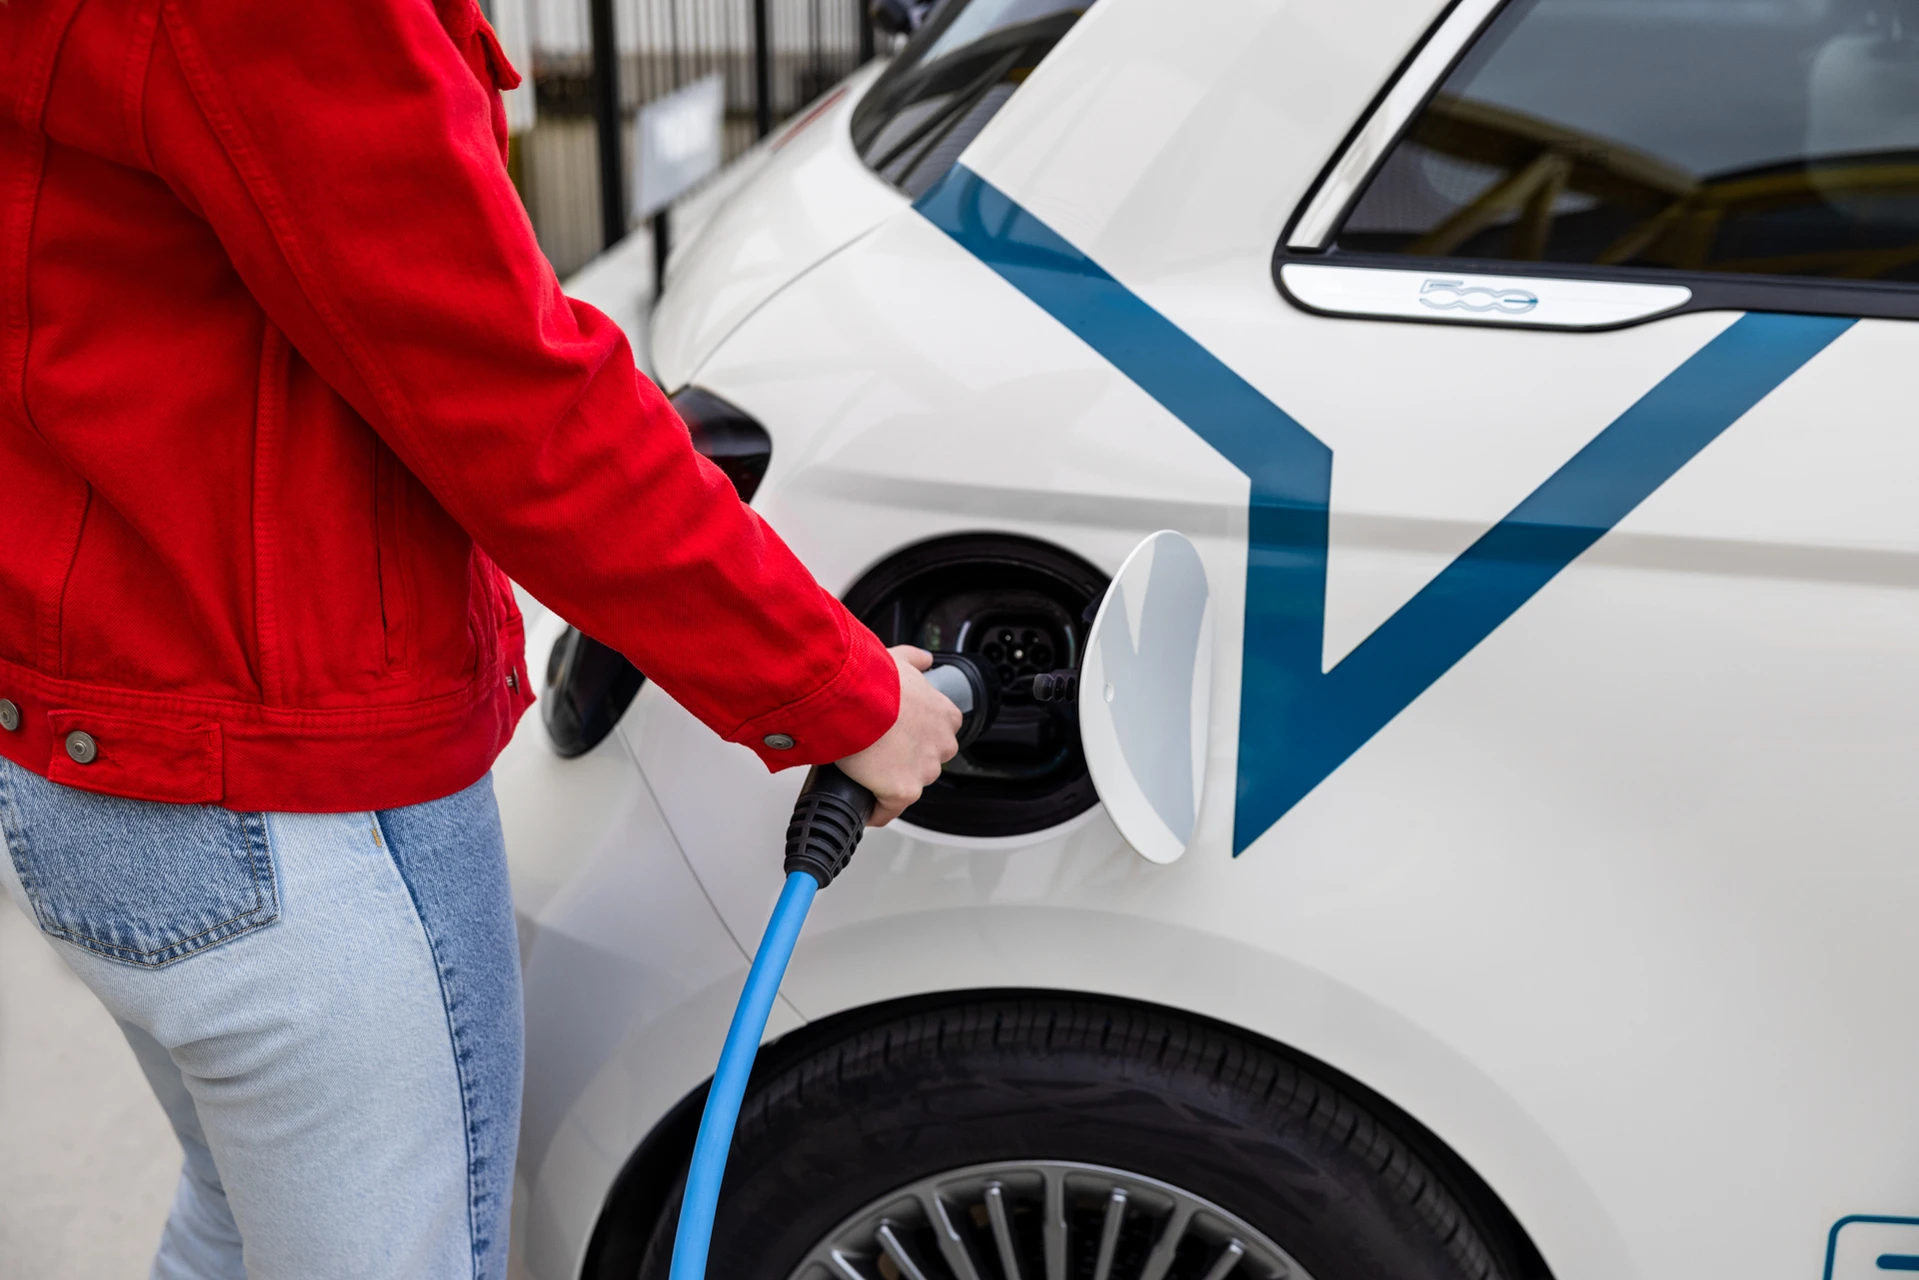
point(1615, 906)
point(807, 196)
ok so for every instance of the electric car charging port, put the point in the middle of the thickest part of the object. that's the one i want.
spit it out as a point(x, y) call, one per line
point(1020, 607)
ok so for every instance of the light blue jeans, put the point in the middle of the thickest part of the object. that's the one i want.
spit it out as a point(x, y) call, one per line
point(327, 1005)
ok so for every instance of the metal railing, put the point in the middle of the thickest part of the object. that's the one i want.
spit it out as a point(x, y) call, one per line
point(573, 164)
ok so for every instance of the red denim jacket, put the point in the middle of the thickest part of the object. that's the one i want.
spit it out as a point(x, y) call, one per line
point(283, 376)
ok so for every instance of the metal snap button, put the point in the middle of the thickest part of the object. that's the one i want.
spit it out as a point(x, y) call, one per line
point(9, 715)
point(778, 741)
point(82, 747)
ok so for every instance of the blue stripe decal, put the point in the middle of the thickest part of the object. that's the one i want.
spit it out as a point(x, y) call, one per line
point(1898, 1262)
point(1297, 724)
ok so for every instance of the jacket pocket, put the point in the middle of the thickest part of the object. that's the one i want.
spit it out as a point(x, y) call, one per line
point(136, 881)
point(390, 481)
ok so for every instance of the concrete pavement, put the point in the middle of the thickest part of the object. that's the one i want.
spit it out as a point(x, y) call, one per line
point(87, 1160)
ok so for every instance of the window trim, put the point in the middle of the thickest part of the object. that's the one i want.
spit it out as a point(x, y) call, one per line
point(1308, 236)
point(1386, 121)
point(1711, 291)
point(943, 19)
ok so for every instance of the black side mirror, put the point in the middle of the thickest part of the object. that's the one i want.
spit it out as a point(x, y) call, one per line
point(899, 17)
point(589, 686)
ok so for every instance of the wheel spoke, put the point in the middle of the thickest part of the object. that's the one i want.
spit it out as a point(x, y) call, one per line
point(1002, 1229)
point(844, 1265)
point(1228, 1259)
point(1109, 1234)
point(952, 1243)
point(1055, 1226)
point(1160, 1261)
point(890, 1243)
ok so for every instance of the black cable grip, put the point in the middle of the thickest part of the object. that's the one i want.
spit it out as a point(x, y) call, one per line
point(1056, 686)
point(828, 821)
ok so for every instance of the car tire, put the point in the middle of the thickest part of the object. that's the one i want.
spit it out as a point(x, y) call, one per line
point(1222, 1117)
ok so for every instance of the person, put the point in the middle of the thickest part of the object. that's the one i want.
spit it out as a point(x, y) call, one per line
point(286, 391)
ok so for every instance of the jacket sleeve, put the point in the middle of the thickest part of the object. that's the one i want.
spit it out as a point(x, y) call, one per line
point(349, 157)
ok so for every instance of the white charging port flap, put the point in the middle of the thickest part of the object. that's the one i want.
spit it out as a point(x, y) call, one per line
point(1145, 695)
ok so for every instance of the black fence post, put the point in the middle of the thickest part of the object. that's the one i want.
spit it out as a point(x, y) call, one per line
point(606, 119)
point(762, 71)
point(662, 248)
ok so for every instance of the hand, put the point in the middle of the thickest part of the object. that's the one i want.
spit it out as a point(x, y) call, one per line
point(908, 756)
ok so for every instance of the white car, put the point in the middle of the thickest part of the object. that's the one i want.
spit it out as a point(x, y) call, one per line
point(1537, 382)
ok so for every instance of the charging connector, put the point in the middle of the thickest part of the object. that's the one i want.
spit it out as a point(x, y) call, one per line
point(831, 814)
point(828, 821)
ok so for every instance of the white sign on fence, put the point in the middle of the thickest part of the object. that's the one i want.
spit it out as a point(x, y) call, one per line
point(677, 143)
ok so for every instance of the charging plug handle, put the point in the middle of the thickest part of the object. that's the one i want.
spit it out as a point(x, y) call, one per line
point(974, 688)
point(828, 821)
point(831, 813)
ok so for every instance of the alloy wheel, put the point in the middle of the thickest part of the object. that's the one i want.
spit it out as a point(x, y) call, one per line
point(1045, 1220)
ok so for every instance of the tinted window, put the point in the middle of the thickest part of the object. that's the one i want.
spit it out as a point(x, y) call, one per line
point(1772, 137)
point(951, 78)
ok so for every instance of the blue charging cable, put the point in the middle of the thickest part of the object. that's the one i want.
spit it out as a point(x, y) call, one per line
point(827, 824)
point(703, 1176)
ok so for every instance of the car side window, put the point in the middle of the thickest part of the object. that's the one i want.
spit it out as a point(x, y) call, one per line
point(1755, 137)
point(952, 77)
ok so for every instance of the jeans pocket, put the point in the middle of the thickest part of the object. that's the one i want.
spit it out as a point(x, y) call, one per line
point(137, 881)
